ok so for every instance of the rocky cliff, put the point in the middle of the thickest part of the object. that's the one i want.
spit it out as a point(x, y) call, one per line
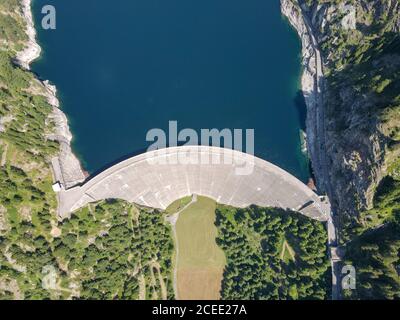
point(353, 103)
point(66, 166)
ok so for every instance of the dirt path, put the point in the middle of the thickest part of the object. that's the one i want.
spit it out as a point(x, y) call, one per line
point(153, 283)
point(142, 287)
point(172, 219)
point(4, 154)
point(289, 249)
point(11, 285)
point(156, 265)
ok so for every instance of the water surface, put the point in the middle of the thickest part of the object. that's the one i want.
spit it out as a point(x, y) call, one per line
point(124, 67)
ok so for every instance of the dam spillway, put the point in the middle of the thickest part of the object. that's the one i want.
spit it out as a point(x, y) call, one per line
point(158, 178)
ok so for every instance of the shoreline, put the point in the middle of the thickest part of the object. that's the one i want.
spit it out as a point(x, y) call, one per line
point(32, 51)
point(312, 87)
point(66, 167)
point(308, 80)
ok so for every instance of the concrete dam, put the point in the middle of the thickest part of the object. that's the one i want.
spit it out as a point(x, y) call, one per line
point(158, 178)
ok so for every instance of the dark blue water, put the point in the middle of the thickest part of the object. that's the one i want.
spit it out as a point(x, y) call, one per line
point(124, 67)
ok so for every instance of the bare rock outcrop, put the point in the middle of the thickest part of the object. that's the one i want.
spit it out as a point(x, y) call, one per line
point(69, 170)
point(347, 139)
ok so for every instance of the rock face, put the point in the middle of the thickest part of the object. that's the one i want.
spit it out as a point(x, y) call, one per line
point(32, 50)
point(311, 85)
point(66, 166)
point(348, 137)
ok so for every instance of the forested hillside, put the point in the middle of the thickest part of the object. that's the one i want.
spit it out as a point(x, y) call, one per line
point(375, 255)
point(105, 251)
point(273, 254)
point(25, 184)
point(114, 249)
point(360, 112)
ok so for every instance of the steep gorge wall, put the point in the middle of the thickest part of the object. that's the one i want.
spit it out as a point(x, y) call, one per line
point(353, 116)
point(311, 86)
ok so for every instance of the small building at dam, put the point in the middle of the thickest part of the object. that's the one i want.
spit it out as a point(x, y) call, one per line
point(158, 178)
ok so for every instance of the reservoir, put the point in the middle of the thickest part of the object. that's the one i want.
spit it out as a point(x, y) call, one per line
point(124, 67)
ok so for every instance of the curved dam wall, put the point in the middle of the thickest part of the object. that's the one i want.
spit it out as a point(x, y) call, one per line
point(158, 178)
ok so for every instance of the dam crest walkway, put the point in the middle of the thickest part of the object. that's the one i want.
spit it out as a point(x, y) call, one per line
point(158, 178)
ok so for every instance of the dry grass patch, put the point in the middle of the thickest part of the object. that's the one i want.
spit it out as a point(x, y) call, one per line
point(200, 261)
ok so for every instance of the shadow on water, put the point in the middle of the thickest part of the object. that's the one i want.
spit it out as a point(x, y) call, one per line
point(113, 163)
point(301, 107)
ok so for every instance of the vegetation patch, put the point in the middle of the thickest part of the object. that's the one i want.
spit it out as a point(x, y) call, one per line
point(178, 205)
point(375, 257)
point(272, 254)
point(103, 251)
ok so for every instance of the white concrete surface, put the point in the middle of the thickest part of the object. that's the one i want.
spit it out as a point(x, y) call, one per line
point(153, 179)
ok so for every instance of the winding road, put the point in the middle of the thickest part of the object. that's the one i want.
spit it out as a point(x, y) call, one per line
point(323, 162)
